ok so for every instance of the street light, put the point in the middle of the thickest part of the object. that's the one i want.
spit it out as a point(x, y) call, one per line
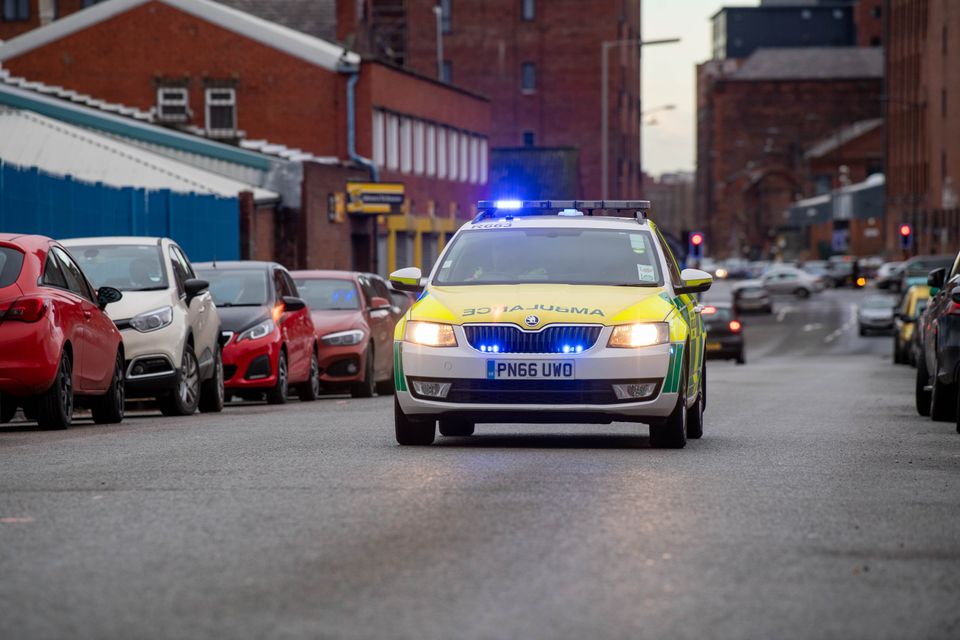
point(648, 112)
point(605, 99)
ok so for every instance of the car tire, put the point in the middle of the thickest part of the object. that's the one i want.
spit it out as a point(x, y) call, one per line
point(310, 390)
point(863, 332)
point(802, 292)
point(55, 405)
point(386, 387)
point(897, 359)
point(366, 387)
point(183, 400)
point(671, 433)
point(943, 400)
point(769, 310)
point(456, 428)
point(8, 409)
point(278, 392)
point(212, 394)
point(108, 409)
point(410, 431)
point(742, 357)
point(695, 416)
point(921, 391)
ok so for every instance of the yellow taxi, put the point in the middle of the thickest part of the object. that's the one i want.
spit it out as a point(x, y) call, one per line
point(543, 312)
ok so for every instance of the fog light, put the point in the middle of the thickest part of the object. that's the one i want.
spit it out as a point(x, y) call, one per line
point(431, 389)
point(635, 391)
point(138, 370)
point(352, 368)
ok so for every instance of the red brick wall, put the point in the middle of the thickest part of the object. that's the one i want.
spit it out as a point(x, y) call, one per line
point(314, 240)
point(868, 17)
point(859, 156)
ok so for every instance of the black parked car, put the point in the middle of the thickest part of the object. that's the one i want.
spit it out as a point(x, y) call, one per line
point(938, 364)
point(724, 333)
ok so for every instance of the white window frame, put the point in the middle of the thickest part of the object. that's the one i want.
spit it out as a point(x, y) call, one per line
point(464, 157)
point(209, 102)
point(379, 141)
point(418, 136)
point(442, 152)
point(474, 160)
point(406, 145)
point(393, 142)
point(453, 155)
point(484, 161)
point(431, 147)
point(182, 100)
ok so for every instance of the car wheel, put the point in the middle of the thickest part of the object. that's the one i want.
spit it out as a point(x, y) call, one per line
point(943, 400)
point(184, 399)
point(55, 405)
point(8, 409)
point(108, 409)
point(922, 390)
point(741, 357)
point(278, 393)
point(802, 292)
point(896, 351)
point(695, 415)
point(212, 395)
point(366, 387)
point(672, 432)
point(386, 387)
point(410, 431)
point(310, 390)
point(453, 427)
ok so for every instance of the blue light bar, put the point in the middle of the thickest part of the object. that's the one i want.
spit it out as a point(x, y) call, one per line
point(508, 204)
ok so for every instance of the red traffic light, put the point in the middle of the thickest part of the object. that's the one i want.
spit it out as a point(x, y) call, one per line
point(696, 239)
point(905, 230)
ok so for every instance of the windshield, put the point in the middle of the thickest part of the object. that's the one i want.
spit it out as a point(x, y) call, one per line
point(925, 266)
point(11, 260)
point(237, 287)
point(128, 267)
point(555, 256)
point(880, 302)
point(329, 294)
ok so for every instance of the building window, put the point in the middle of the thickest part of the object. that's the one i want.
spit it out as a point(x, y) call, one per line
point(418, 147)
point(529, 139)
point(528, 77)
point(474, 160)
point(393, 140)
point(88, 3)
point(173, 104)
point(484, 161)
point(221, 114)
point(464, 157)
point(442, 152)
point(406, 145)
point(446, 72)
point(453, 139)
point(529, 10)
point(446, 20)
point(15, 10)
point(379, 143)
point(431, 150)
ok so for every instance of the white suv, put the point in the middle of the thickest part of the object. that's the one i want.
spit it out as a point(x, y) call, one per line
point(167, 318)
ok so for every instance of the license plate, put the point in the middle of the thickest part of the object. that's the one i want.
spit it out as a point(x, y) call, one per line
point(530, 370)
point(714, 346)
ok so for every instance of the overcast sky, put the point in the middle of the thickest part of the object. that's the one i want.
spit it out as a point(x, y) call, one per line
point(669, 78)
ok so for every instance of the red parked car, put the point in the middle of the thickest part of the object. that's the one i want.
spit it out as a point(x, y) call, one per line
point(354, 317)
point(56, 343)
point(267, 335)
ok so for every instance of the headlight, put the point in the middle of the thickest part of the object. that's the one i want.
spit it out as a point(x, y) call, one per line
point(257, 331)
point(152, 320)
point(343, 338)
point(430, 334)
point(644, 334)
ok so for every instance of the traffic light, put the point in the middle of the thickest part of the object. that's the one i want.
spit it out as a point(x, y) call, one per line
point(906, 236)
point(696, 245)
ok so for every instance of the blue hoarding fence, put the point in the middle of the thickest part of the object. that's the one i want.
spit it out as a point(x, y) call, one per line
point(33, 201)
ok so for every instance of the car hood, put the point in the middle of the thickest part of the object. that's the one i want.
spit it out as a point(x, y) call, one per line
point(136, 302)
point(340, 320)
point(551, 303)
point(239, 318)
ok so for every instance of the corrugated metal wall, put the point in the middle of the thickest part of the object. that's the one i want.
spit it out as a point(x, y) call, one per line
point(32, 201)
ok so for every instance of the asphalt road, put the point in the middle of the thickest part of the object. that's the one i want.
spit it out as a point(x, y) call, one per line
point(817, 505)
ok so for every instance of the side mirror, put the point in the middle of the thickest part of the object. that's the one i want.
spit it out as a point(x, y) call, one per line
point(408, 279)
point(906, 318)
point(291, 303)
point(194, 287)
point(694, 281)
point(108, 295)
point(936, 277)
point(380, 304)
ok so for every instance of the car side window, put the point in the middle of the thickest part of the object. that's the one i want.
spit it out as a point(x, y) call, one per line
point(179, 272)
point(181, 257)
point(380, 288)
point(671, 261)
point(289, 285)
point(279, 286)
point(52, 274)
point(72, 274)
point(366, 288)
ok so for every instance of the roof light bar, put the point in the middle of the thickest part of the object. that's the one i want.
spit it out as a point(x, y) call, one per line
point(490, 208)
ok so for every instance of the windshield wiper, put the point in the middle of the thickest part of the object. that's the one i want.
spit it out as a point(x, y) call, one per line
point(157, 288)
point(634, 284)
point(239, 304)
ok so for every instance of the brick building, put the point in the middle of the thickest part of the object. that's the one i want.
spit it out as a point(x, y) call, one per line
point(279, 86)
point(923, 144)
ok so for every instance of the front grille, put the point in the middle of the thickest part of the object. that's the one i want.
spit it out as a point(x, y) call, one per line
point(534, 391)
point(508, 338)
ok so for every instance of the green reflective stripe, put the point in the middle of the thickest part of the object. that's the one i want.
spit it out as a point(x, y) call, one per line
point(672, 383)
point(399, 381)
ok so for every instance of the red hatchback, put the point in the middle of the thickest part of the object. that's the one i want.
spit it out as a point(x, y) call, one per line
point(355, 319)
point(55, 340)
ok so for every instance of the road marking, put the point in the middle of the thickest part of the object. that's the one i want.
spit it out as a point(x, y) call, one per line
point(783, 313)
point(26, 520)
point(816, 326)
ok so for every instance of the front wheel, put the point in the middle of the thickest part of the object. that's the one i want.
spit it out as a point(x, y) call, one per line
point(278, 392)
point(943, 400)
point(695, 415)
point(672, 432)
point(8, 409)
point(802, 292)
point(212, 395)
point(183, 401)
point(366, 387)
point(310, 390)
point(411, 431)
point(922, 389)
point(55, 406)
point(108, 409)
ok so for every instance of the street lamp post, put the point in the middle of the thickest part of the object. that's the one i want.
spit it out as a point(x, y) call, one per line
point(605, 100)
point(650, 112)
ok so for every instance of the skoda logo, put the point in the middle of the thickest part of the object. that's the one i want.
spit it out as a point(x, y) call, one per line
point(531, 321)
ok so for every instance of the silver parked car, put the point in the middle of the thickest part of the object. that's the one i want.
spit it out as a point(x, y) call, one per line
point(750, 295)
point(791, 280)
point(876, 314)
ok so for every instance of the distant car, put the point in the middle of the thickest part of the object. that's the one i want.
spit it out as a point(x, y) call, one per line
point(888, 275)
point(905, 321)
point(876, 314)
point(56, 342)
point(724, 333)
point(916, 339)
point(791, 280)
point(355, 316)
point(170, 326)
point(268, 338)
point(917, 269)
point(750, 295)
point(841, 270)
point(820, 269)
point(938, 364)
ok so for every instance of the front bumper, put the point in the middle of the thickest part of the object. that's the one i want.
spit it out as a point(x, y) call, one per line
point(342, 365)
point(251, 364)
point(723, 347)
point(587, 397)
point(153, 358)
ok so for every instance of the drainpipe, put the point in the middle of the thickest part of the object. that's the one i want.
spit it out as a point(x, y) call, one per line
point(354, 71)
